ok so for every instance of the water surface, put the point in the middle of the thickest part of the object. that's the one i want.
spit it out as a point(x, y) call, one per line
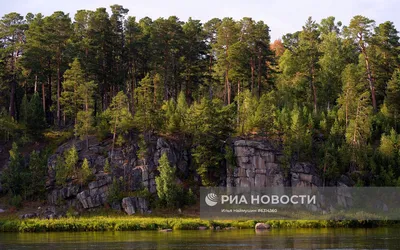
point(378, 238)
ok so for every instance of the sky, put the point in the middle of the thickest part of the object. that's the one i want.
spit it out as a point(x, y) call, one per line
point(281, 16)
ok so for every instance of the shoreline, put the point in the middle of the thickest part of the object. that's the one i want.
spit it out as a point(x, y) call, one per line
point(165, 224)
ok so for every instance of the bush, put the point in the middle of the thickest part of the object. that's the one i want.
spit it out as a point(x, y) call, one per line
point(16, 201)
point(115, 193)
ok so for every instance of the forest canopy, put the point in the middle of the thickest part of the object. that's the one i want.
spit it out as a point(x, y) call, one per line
point(328, 93)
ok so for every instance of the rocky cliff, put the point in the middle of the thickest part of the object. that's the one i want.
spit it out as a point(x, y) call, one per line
point(259, 164)
point(256, 164)
point(138, 174)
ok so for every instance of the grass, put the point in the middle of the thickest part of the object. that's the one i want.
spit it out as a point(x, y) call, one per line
point(132, 223)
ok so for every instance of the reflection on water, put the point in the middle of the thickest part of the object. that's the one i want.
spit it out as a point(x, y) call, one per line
point(379, 238)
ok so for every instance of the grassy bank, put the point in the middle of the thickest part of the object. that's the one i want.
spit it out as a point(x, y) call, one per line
point(125, 223)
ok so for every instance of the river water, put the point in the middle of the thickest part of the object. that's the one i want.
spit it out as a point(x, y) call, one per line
point(377, 238)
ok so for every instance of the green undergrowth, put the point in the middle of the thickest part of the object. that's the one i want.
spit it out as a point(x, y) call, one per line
point(125, 223)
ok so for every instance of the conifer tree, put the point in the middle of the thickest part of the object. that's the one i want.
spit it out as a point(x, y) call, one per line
point(85, 172)
point(120, 118)
point(392, 100)
point(23, 117)
point(36, 118)
point(167, 189)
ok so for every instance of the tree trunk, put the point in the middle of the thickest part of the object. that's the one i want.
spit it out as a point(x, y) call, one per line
point(313, 88)
point(114, 133)
point(50, 100)
point(12, 99)
point(87, 110)
point(370, 78)
point(36, 82)
point(210, 93)
point(252, 75)
point(259, 75)
point(44, 98)
point(58, 95)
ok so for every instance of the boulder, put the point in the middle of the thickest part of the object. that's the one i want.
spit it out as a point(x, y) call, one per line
point(29, 216)
point(262, 226)
point(132, 205)
point(96, 195)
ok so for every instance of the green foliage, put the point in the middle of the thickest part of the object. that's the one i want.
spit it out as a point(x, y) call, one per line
point(23, 118)
point(69, 99)
point(107, 167)
point(38, 170)
point(102, 126)
point(120, 118)
point(115, 194)
point(211, 124)
point(264, 116)
point(36, 118)
point(15, 178)
point(167, 189)
point(129, 223)
point(66, 166)
point(393, 96)
point(85, 172)
point(205, 83)
point(176, 114)
point(16, 201)
point(147, 115)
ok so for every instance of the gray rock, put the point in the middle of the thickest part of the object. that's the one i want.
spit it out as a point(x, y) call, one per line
point(344, 179)
point(132, 205)
point(262, 226)
point(29, 216)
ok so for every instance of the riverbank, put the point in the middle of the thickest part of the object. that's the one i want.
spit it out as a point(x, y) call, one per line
point(126, 223)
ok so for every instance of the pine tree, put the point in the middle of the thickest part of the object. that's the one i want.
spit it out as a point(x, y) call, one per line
point(167, 189)
point(359, 31)
point(176, 114)
point(147, 117)
point(359, 128)
point(392, 100)
point(107, 167)
point(23, 117)
point(14, 176)
point(120, 117)
point(73, 78)
point(36, 118)
point(66, 166)
point(84, 120)
point(264, 117)
point(38, 170)
point(350, 90)
point(85, 172)
point(211, 123)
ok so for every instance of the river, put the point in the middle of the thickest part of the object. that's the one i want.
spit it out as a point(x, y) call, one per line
point(377, 238)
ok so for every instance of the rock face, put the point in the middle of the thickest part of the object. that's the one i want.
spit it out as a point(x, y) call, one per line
point(137, 173)
point(66, 193)
point(96, 195)
point(132, 205)
point(304, 175)
point(258, 165)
